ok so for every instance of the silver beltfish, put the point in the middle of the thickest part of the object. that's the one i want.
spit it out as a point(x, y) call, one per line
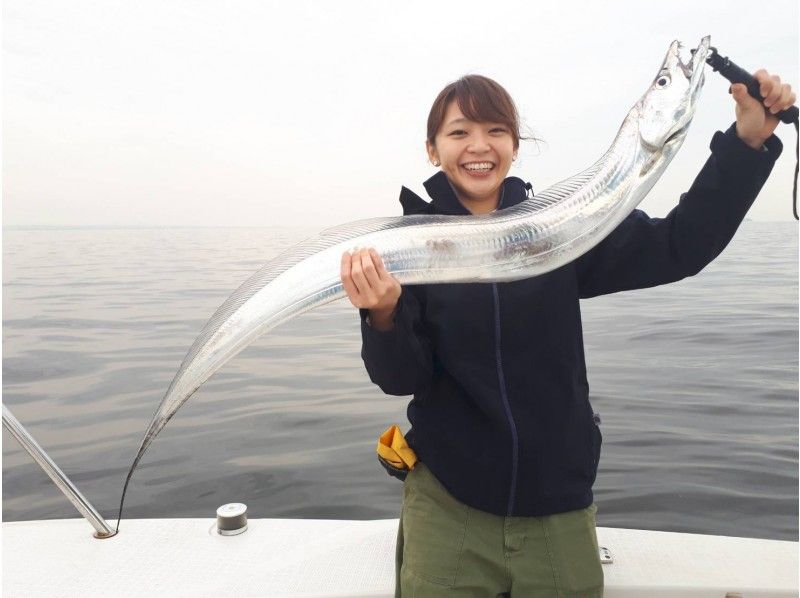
point(531, 238)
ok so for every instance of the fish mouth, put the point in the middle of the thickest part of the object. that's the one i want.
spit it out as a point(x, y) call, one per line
point(693, 71)
point(676, 111)
point(686, 67)
point(694, 68)
point(697, 56)
point(676, 134)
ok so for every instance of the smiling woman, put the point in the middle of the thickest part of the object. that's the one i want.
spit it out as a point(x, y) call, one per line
point(504, 444)
point(473, 134)
point(449, 539)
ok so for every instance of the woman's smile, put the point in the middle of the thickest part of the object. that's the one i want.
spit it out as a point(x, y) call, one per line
point(478, 169)
point(475, 156)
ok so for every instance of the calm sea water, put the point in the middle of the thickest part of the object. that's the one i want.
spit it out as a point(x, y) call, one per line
point(696, 383)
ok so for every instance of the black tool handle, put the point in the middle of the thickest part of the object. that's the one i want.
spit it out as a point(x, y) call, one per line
point(736, 74)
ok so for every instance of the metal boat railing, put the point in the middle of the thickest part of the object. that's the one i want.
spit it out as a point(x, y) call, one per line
point(103, 530)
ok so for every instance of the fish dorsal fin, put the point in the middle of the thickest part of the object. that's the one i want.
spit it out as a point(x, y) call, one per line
point(558, 192)
point(271, 270)
point(305, 249)
point(337, 234)
point(291, 257)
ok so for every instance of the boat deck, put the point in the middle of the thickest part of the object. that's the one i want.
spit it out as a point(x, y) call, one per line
point(337, 558)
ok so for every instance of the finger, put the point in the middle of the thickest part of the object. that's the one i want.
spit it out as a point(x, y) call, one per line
point(379, 267)
point(785, 101)
point(386, 277)
point(357, 274)
point(366, 292)
point(370, 272)
point(774, 93)
point(739, 91)
point(347, 280)
point(744, 100)
point(344, 266)
point(764, 82)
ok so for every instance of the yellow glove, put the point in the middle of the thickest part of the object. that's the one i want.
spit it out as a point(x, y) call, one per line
point(394, 452)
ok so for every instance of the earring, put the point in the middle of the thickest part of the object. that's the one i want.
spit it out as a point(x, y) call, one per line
point(436, 162)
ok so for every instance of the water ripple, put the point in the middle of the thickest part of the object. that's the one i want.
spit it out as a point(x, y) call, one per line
point(696, 384)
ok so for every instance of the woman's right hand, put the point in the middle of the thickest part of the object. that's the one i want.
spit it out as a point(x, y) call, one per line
point(368, 285)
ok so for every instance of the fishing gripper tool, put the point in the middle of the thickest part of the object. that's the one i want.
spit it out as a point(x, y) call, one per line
point(736, 74)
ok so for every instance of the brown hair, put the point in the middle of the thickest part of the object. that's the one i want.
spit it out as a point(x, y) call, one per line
point(480, 99)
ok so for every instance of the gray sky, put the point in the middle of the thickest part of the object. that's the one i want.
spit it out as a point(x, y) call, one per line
point(264, 113)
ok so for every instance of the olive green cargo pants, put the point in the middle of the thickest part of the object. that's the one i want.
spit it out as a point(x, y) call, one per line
point(445, 548)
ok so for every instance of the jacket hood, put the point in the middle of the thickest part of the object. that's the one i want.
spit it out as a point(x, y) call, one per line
point(445, 201)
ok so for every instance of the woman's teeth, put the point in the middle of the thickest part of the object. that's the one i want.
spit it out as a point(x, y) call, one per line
point(479, 166)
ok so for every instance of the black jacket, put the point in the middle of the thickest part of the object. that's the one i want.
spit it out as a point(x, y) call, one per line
point(501, 411)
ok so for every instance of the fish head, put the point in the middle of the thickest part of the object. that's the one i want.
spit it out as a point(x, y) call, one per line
point(667, 108)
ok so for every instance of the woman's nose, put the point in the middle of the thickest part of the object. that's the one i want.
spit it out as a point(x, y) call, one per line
point(479, 143)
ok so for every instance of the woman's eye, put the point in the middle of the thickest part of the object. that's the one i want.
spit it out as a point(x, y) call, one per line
point(498, 130)
point(458, 132)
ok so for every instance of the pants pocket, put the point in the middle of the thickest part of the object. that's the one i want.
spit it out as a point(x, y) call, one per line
point(572, 541)
point(434, 527)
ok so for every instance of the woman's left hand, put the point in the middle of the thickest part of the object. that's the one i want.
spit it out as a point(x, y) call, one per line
point(754, 123)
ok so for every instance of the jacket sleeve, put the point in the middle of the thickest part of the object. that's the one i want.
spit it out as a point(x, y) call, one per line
point(645, 252)
point(400, 360)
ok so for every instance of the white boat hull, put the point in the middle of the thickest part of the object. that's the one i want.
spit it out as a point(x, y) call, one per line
point(338, 558)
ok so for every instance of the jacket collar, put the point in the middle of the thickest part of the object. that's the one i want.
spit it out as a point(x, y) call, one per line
point(445, 200)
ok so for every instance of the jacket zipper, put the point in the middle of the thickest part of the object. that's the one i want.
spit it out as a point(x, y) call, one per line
point(503, 394)
point(502, 380)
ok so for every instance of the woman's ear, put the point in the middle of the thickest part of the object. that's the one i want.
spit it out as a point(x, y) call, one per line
point(432, 154)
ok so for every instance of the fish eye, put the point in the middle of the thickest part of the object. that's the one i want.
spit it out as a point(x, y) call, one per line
point(663, 81)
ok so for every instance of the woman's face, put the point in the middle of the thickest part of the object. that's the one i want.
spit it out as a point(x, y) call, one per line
point(475, 156)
